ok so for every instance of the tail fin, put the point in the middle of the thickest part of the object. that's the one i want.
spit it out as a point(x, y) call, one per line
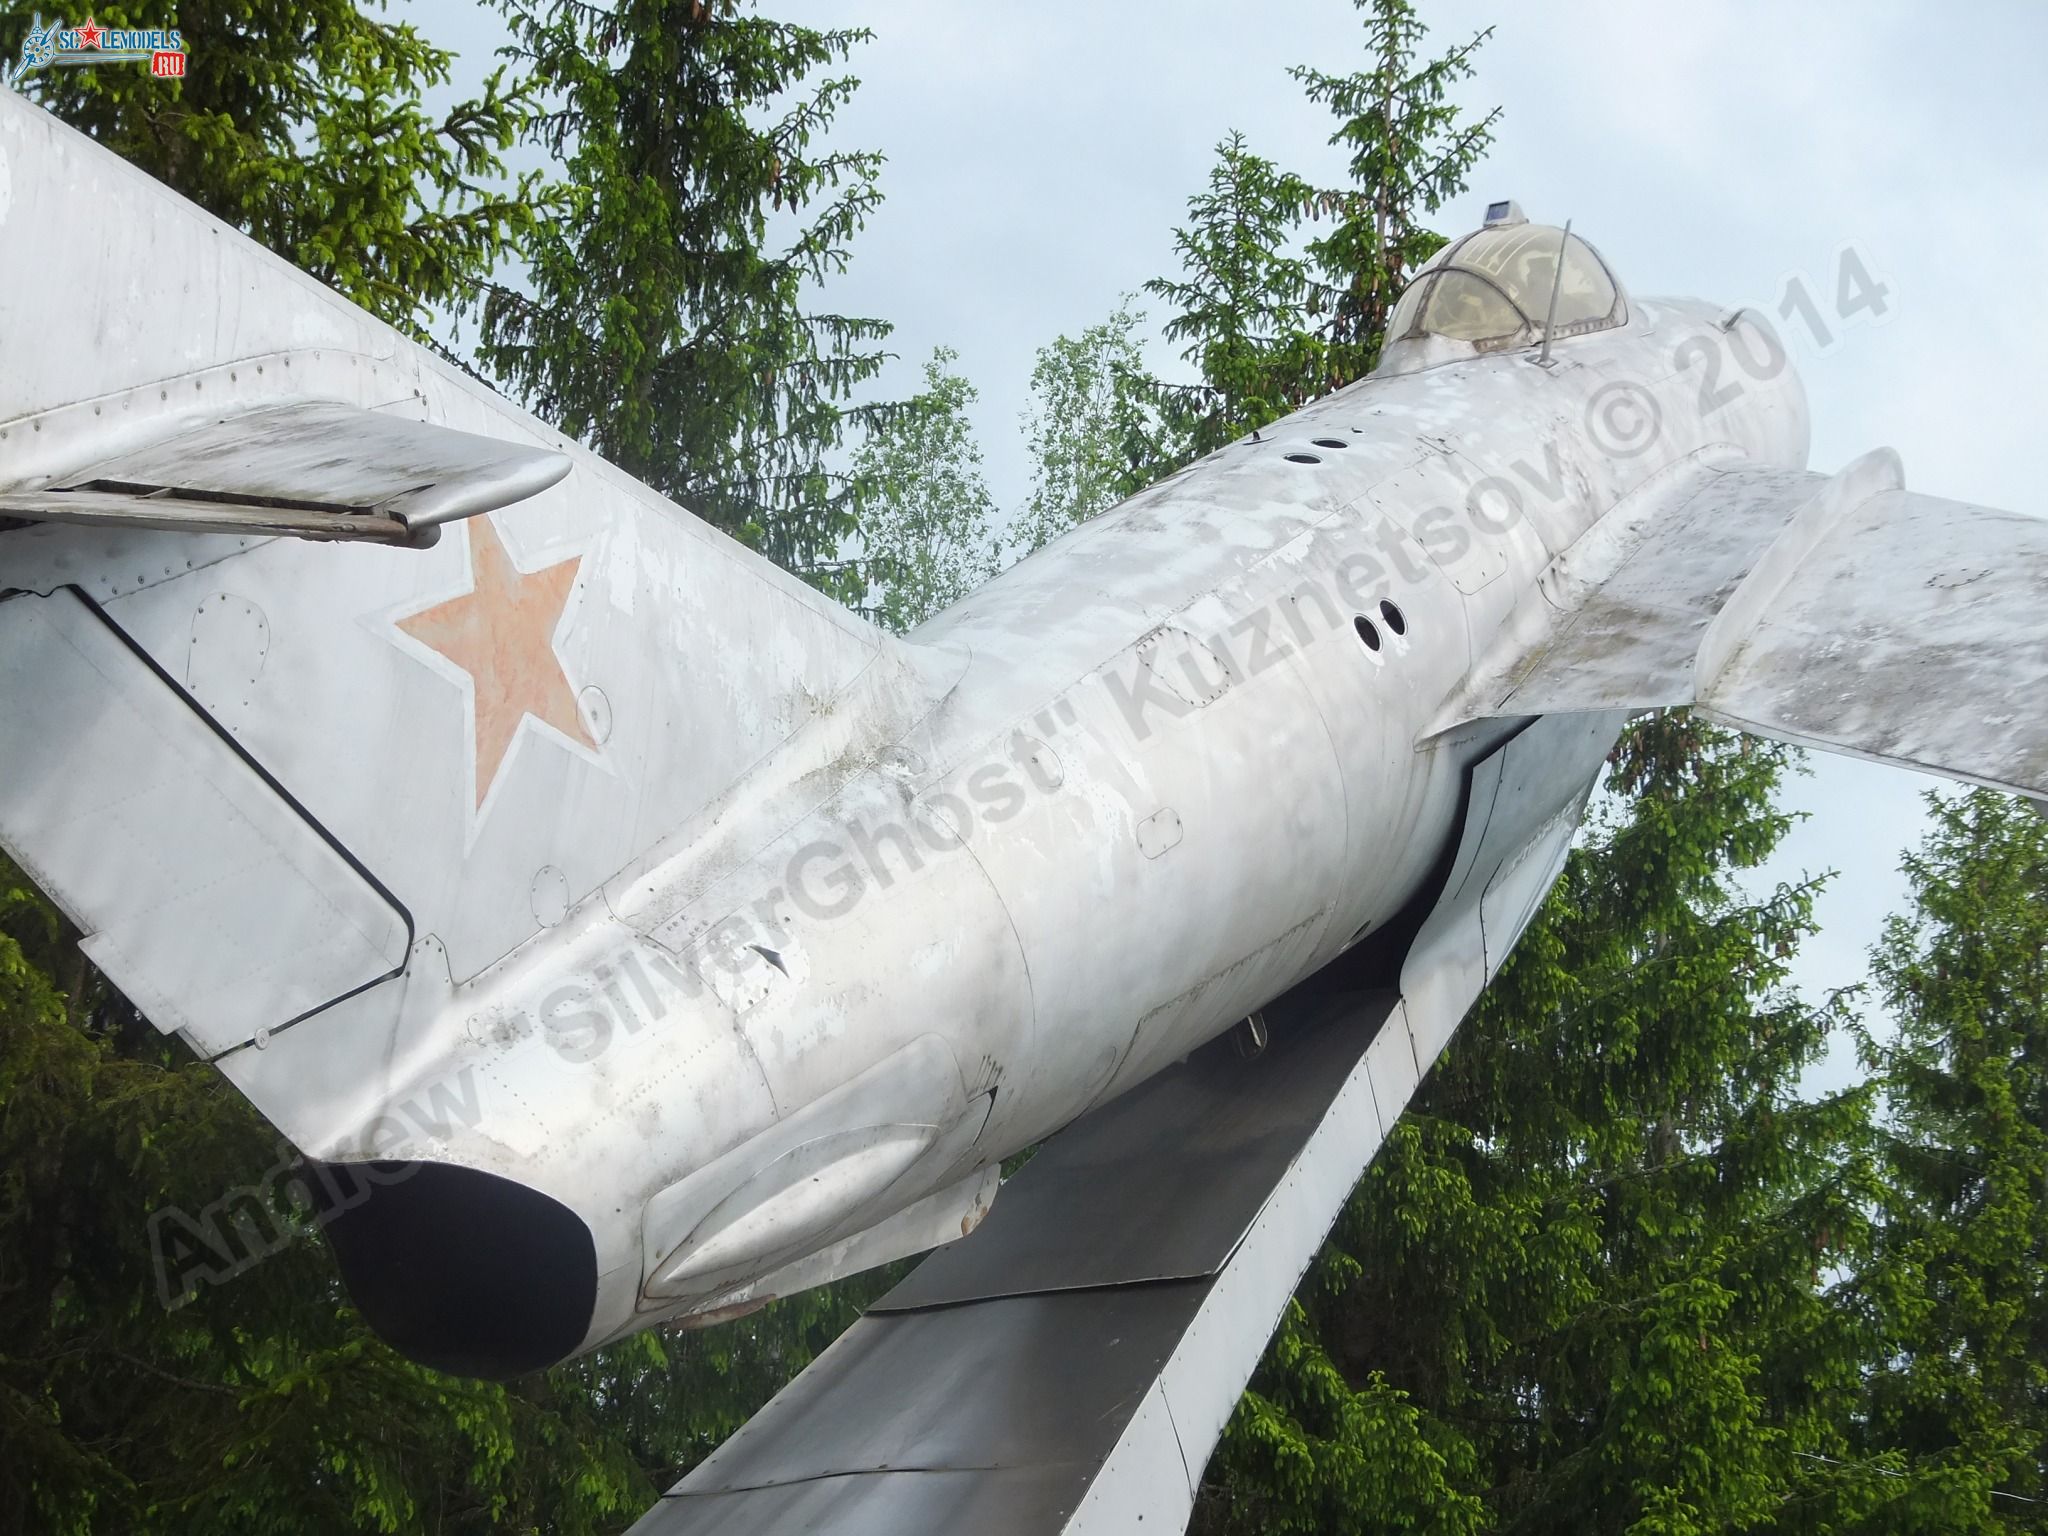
point(257, 769)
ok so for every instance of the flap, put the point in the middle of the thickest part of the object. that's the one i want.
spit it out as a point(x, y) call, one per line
point(313, 469)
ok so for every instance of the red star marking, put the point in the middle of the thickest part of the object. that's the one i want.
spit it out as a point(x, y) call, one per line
point(89, 34)
point(501, 632)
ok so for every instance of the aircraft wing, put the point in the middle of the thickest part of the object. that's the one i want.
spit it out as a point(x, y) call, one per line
point(1845, 613)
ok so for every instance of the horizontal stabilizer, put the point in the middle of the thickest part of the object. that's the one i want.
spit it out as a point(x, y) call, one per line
point(311, 469)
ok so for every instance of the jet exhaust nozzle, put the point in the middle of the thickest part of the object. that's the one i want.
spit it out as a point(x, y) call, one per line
point(460, 1270)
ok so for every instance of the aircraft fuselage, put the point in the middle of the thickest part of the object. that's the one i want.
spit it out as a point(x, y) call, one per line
point(1088, 819)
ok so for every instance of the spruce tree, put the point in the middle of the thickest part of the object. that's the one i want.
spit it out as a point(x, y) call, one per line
point(1410, 150)
point(669, 315)
point(1953, 1435)
point(306, 127)
point(1271, 315)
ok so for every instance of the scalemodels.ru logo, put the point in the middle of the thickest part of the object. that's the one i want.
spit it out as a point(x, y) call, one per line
point(58, 46)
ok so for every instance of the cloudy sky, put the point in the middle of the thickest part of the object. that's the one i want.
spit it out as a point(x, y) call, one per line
point(1040, 157)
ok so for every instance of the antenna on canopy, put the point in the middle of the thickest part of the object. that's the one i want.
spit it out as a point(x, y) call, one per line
point(1556, 283)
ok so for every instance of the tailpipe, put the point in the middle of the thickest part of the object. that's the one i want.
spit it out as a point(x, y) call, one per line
point(458, 1269)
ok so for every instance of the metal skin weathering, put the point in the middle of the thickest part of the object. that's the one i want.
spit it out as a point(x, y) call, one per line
point(627, 935)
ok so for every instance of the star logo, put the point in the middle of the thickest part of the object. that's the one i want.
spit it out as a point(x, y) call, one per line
point(501, 632)
point(89, 34)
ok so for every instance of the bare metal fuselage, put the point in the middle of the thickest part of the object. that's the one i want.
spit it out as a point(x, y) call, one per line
point(625, 932)
point(1142, 783)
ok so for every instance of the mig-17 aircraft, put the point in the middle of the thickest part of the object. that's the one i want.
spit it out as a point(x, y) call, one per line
point(625, 934)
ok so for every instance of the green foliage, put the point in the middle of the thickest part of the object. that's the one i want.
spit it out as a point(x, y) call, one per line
point(662, 319)
point(1240, 306)
point(1410, 152)
point(1372, 1459)
point(1087, 427)
point(1955, 1431)
point(304, 126)
point(924, 508)
point(1271, 319)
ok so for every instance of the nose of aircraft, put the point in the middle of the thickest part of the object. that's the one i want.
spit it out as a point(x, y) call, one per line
point(460, 1270)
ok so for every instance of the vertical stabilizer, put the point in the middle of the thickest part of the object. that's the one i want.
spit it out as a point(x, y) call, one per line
point(263, 772)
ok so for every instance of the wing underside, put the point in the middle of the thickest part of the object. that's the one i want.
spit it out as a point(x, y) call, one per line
point(1068, 1367)
point(1918, 634)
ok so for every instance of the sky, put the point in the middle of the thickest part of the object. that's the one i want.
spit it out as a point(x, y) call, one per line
point(1040, 158)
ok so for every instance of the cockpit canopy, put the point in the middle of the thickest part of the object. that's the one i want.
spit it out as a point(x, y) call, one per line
point(1491, 291)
